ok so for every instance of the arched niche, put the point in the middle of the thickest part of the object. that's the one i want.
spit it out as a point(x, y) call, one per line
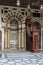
point(13, 34)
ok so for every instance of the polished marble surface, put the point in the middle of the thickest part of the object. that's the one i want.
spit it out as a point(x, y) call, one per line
point(22, 58)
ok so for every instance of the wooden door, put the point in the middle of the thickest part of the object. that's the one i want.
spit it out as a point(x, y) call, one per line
point(36, 41)
point(0, 40)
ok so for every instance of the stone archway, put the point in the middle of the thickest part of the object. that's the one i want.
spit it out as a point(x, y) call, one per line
point(17, 27)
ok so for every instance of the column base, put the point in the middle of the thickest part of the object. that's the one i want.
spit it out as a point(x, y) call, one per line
point(6, 49)
point(21, 49)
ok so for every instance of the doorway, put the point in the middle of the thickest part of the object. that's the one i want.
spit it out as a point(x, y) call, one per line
point(37, 26)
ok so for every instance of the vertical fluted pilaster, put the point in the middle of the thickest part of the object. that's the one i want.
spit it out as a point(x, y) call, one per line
point(23, 36)
point(5, 39)
point(19, 36)
point(8, 38)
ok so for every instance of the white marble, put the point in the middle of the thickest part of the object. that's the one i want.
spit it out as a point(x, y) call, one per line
point(22, 58)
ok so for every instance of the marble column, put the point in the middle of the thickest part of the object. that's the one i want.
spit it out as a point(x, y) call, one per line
point(8, 39)
point(23, 36)
point(2, 30)
point(5, 39)
point(19, 36)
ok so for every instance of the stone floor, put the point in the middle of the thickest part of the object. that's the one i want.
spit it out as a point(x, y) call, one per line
point(21, 58)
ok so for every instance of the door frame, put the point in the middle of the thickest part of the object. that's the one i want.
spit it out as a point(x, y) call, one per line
point(41, 38)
